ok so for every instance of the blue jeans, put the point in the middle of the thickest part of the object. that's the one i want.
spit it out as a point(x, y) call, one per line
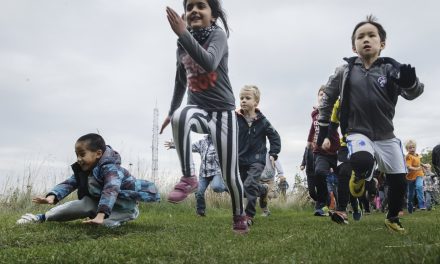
point(217, 186)
point(415, 187)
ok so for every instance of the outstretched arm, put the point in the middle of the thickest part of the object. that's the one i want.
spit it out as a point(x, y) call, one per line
point(50, 199)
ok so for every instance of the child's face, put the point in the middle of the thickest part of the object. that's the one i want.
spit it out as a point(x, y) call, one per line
point(320, 96)
point(367, 43)
point(411, 149)
point(198, 14)
point(247, 101)
point(86, 158)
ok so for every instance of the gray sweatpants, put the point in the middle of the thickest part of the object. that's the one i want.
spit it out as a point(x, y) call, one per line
point(250, 175)
point(86, 207)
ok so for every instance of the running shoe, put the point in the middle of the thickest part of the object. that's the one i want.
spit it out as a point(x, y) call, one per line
point(394, 224)
point(185, 186)
point(339, 217)
point(240, 225)
point(356, 186)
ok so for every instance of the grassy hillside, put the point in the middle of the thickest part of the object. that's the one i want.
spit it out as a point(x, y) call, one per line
point(166, 233)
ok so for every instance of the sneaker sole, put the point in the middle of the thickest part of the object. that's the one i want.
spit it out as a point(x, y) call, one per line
point(395, 230)
point(176, 202)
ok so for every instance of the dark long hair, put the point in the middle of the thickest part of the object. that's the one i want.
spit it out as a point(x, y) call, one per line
point(217, 12)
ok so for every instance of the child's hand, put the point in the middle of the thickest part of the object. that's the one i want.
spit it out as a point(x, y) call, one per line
point(407, 76)
point(98, 220)
point(44, 200)
point(272, 161)
point(302, 167)
point(326, 144)
point(177, 24)
point(169, 144)
point(165, 123)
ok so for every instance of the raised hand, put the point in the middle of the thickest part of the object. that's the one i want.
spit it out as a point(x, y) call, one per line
point(177, 24)
point(169, 144)
point(407, 76)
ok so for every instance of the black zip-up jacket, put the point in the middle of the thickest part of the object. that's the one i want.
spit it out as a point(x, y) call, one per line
point(252, 139)
point(368, 97)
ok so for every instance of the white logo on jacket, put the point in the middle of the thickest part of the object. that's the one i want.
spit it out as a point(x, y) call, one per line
point(382, 80)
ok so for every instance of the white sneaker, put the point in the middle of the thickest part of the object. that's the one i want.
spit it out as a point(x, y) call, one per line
point(28, 219)
point(265, 213)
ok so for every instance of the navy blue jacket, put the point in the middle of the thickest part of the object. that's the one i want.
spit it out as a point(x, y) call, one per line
point(252, 140)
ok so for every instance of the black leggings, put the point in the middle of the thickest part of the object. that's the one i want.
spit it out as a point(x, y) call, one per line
point(396, 191)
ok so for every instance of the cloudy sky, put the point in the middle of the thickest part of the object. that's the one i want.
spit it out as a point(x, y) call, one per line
point(70, 67)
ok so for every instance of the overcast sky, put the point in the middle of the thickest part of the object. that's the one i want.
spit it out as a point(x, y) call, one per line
point(70, 67)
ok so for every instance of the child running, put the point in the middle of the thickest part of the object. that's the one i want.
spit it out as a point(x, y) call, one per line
point(324, 159)
point(107, 193)
point(202, 66)
point(254, 128)
point(368, 87)
point(415, 176)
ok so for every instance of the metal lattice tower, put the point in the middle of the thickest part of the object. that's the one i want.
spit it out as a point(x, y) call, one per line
point(155, 145)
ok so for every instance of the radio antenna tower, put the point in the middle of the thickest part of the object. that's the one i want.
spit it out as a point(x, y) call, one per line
point(155, 145)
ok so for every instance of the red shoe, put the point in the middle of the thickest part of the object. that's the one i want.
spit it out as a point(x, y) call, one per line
point(185, 186)
point(240, 225)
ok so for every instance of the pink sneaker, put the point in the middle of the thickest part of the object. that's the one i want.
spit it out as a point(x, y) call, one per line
point(185, 186)
point(240, 226)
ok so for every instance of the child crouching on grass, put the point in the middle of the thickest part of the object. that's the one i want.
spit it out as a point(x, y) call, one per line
point(107, 193)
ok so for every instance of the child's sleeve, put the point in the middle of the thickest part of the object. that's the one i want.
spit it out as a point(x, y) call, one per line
point(179, 88)
point(311, 136)
point(63, 189)
point(210, 58)
point(331, 94)
point(409, 161)
point(112, 177)
point(304, 160)
point(279, 168)
point(412, 92)
point(274, 140)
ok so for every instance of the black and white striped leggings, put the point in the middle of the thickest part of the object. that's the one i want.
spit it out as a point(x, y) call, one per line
point(222, 126)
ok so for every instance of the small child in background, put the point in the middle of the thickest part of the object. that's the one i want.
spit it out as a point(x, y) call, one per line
point(107, 193)
point(283, 186)
point(325, 159)
point(270, 172)
point(429, 187)
point(209, 173)
point(415, 176)
point(253, 129)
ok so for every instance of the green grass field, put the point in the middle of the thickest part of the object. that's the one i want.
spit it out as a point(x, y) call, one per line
point(166, 233)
